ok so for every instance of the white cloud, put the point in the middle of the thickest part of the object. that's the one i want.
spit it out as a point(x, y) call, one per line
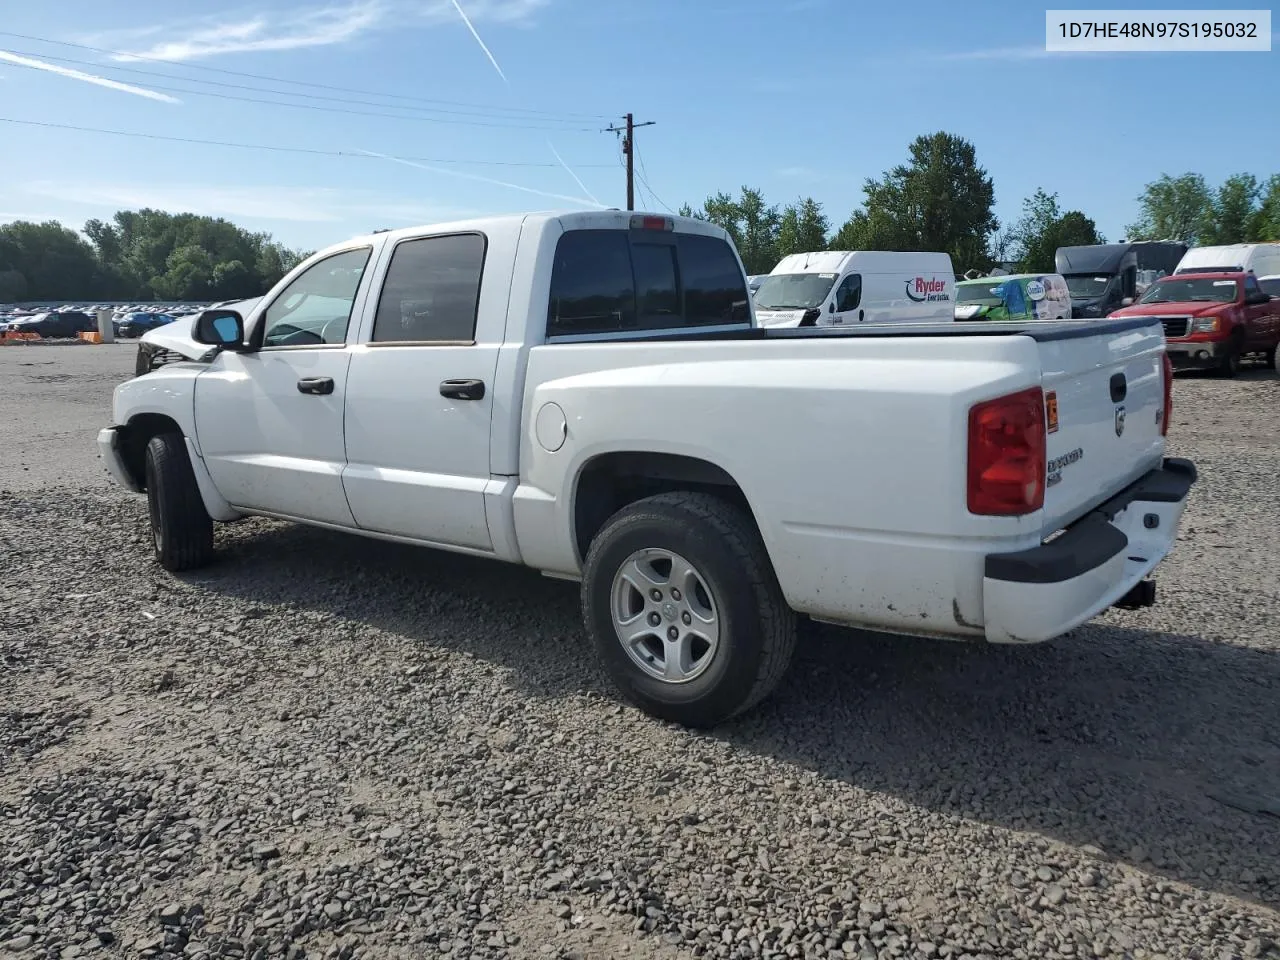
point(274, 203)
point(86, 77)
point(256, 30)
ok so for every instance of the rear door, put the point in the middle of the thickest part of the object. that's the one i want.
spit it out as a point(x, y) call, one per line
point(1104, 399)
point(421, 394)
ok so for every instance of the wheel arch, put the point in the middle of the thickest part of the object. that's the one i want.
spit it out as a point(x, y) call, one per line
point(609, 481)
point(136, 433)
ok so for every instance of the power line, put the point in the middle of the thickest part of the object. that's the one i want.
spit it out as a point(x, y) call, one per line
point(358, 113)
point(100, 67)
point(269, 79)
point(274, 148)
point(643, 179)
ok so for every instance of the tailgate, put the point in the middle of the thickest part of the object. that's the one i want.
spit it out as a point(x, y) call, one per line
point(1104, 398)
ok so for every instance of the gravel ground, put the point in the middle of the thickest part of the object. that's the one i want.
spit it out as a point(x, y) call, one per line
point(329, 747)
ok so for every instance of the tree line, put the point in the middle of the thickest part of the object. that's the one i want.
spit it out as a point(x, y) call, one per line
point(941, 199)
point(139, 255)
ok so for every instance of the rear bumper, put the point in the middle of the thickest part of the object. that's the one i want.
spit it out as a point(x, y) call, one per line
point(1208, 353)
point(109, 450)
point(1037, 594)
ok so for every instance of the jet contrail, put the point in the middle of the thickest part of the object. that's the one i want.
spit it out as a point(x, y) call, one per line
point(86, 77)
point(569, 170)
point(473, 176)
point(467, 20)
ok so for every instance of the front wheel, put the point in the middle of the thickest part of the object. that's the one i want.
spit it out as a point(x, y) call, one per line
point(181, 530)
point(1229, 365)
point(682, 603)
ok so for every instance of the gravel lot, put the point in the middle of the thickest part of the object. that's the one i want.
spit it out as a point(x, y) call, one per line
point(329, 747)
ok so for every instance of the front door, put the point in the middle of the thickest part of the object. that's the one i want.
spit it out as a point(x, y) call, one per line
point(847, 300)
point(269, 420)
point(420, 396)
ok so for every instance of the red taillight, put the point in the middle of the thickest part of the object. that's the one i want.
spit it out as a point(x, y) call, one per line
point(1168, 395)
point(1007, 454)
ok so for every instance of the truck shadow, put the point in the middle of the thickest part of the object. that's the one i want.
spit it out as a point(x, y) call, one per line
point(1134, 741)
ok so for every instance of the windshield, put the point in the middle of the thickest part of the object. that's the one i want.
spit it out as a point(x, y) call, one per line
point(794, 291)
point(978, 293)
point(1191, 290)
point(1086, 286)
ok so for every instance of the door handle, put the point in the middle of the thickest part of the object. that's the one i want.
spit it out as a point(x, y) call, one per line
point(462, 389)
point(318, 386)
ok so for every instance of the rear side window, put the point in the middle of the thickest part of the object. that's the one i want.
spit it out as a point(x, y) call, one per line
point(612, 280)
point(432, 291)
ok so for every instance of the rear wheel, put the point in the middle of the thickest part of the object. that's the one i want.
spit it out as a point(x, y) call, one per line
point(181, 530)
point(1271, 359)
point(681, 600)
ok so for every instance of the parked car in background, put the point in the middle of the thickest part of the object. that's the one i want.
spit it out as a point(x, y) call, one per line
point(504, 387)
point(1022, 296)
point(1212, 320)
point(173, 341)
point(1260, 259)
point(843, 287)
point(1270, 285)
point(136, 324)
point(754, 281)
point(67, 323)
point(1107, 276)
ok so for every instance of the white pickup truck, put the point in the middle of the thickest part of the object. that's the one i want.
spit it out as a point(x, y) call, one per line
point(587, 394)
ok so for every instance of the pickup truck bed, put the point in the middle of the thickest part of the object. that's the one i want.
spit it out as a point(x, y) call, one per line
point(705, 479)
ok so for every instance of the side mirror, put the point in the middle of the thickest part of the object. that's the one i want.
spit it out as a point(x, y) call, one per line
point(219, 328)
point(831, 307)
point(1127, 301)
point(1258, 298)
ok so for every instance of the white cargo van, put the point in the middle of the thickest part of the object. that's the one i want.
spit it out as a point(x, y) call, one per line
point(842, 287)
point(1260, 259)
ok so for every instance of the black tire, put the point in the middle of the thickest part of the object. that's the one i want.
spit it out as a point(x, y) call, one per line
point(1229, 365)
point(757, 633)
point(1271, 359)
point(181, 530)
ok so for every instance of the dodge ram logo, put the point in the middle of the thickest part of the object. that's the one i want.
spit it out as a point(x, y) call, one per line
point(1119, 421)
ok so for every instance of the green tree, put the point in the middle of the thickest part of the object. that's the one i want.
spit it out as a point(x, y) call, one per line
point(1235, 209)
point(1174, 208)
point(53, 262)
point(1266, 219)
point(1036, 236)
point(751, 223)
point(803, 227)
point(940, 200)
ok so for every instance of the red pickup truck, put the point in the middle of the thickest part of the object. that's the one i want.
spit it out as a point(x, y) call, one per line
point(1212, 320)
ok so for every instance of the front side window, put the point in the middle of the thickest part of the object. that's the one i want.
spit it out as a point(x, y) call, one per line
point(849, 293)
point(315, 309)
point(432, 291)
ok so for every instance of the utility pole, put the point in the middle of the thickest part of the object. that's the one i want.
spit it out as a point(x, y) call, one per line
point(628, 148)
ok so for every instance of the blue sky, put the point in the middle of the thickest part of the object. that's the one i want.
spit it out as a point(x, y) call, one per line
point(797, 97)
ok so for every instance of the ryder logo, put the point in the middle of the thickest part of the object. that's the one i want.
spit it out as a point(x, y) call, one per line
point(927, 291)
